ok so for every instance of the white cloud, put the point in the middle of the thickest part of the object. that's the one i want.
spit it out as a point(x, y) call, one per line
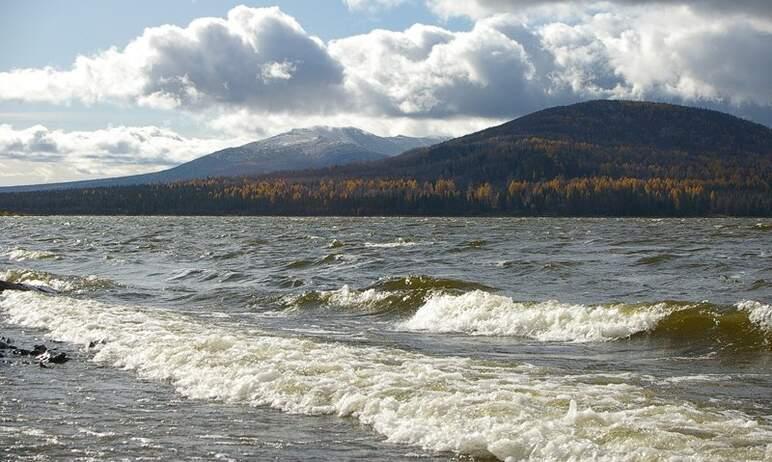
point(262, 61)
point(671, 53)
point(427, 71)
point(372, 5)
point(108, 152)
point(485, 8)
point(244, 124)
point(256, 57)
point(280, 71)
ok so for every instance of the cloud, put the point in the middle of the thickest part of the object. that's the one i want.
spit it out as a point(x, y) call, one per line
point(505, 66)
point(674, 55)
point(245, 124)
point(427, 71)
point(107, 152)
point(485, 8)
point(256, 57)
point(261, 62)
point(372, 5)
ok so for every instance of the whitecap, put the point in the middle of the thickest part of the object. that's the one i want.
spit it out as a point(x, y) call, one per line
point(759, 313)
point(511, 412)
point(390, 245)
point(483, 313)
point(24, 255)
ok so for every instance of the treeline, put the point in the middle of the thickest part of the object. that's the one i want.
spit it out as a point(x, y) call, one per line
point(586, 196)
point(534, 159)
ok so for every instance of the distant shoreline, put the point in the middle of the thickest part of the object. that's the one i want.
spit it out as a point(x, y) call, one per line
point(501, 216)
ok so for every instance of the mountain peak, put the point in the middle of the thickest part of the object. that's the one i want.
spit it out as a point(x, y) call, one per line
point(298, 149)
point(622, 122)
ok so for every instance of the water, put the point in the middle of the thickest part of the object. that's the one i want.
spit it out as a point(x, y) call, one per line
point(389, 339)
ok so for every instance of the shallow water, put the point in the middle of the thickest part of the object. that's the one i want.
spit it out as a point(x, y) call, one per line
point(389, 338)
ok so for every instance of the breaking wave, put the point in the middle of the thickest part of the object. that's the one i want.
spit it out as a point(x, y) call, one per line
point(398, 295)
point(388, 245)
point(747, 325)
point(24, 255)
point(60, 283)
point(510, 412)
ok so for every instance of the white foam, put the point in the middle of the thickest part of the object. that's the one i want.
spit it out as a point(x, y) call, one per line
point(759, 313)
point(511, 412)
point(24, 255)
point(58, 283)
point(483, 313)
point(389, 245)
point(345, 297)
point(707, 378)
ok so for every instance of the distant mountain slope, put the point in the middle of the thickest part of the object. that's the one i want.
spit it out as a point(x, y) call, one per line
point(306, 148)
point(664, 126)
point(610, 158)
point(596, 138)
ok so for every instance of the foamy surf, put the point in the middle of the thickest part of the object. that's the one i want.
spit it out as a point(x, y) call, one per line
point(513, 412)
point(390, 245)
point(759, 313)
point(483, 313)
point(24, 255)
point(59, 283)
point(748, 324)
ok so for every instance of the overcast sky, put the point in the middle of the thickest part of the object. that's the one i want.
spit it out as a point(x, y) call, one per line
point(100, 88)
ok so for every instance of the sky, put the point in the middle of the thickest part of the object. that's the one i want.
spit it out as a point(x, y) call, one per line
point(99, 88)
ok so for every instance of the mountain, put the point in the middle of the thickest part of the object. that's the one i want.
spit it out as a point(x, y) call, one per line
point(305, 148)
point(595, 138)
point(610, 158)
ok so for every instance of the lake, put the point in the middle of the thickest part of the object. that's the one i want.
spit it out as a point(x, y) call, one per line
point(388, 338)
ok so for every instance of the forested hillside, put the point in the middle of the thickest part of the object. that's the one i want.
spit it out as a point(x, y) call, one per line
point(596, 158)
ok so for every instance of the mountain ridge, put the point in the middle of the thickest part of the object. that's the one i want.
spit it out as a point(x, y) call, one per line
point(599, 158)
point(567, 140)
point(299, 148)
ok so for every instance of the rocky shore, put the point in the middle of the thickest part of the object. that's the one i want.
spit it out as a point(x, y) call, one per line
point(39, 354)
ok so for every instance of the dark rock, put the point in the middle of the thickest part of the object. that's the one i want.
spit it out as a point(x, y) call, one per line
point(39, 350)
point(5, 285)
point(94, 343)
point(59, 358)
point(13, 286)
point(41, 353)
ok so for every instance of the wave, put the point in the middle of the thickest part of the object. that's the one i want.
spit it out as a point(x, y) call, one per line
point(345, 297)
point(335, 244)
point(398, 295)
point(325, 260)
point(388, 245)
point(508, 412)
point(654, 260)
point(24, 255)
point(60, 283)
point(483, 313)
point(186, 274)
point(477, 244)
point(748, 325)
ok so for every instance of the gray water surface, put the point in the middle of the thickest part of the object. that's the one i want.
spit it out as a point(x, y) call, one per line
point(669, 315)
